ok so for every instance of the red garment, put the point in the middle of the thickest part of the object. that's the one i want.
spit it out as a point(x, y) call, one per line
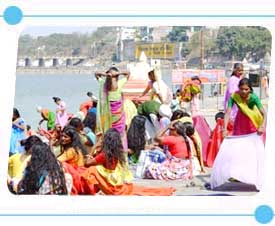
point(176, 146)
point(78, 182)
point(216, 140)
point(243, 124)
point(84, 107)
point(101, 160)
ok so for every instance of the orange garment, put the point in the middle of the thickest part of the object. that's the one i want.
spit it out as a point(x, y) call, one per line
point(75, 172)
point(94, 182)
point(84, 107)
point(73, 157)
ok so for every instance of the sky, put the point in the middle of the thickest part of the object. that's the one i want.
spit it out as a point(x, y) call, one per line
point(47, 30)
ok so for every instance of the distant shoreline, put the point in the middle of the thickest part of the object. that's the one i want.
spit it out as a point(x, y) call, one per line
point(54, 71)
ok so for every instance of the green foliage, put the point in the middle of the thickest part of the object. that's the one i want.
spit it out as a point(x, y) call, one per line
point(178, 34)
point(66, 44)
point(240, 42)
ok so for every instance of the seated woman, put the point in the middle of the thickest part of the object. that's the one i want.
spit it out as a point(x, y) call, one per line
point(108, 171)
point(240, 157)
point(43, 175)
point(84, 139)
point(72, 150)
point(185, 117)
point(19, 161)
point(136, 137)
point(178, 164)
point(197, 161)
point(110, 164)
point(89, 124)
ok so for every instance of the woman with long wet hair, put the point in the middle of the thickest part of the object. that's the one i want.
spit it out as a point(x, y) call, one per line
point(110, 113)
point(43, 175)
point(72, 150)
point(136, 137)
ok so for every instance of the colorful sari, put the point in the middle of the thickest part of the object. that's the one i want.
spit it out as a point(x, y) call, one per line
point(50, 117)
point(117, 182)
point(110, 113)
point(248, 119)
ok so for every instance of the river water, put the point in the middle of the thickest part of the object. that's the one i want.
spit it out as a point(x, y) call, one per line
point(38, 90)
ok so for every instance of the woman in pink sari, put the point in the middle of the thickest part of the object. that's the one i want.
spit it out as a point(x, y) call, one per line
point(110, 107)
point(241, 156)
point(62, 116)
point(232, 86)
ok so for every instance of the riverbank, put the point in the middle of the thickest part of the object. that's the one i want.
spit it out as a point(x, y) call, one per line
point(54, 70)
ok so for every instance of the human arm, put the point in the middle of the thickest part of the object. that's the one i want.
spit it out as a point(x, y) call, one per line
point(97, 160)
point(125, 73)
point(226, 120)
point(41, 121)
point(99, 74)
point(261, 129)
point(90, 161)
point(147, 89)
point(160, 135)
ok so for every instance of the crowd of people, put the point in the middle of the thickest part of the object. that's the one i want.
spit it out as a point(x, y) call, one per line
point(90, 152)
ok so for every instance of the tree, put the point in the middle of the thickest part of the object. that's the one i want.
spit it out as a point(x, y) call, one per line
point(238, 42)
point(178, 34)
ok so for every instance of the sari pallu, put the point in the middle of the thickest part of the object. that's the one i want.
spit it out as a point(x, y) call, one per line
point(247, 120)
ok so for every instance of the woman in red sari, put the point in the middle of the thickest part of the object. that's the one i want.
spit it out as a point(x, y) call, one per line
point(251, 116)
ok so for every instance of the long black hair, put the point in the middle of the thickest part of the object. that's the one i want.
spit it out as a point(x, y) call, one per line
point(76, 143)
point(181, 130)
point(190, 131)
point(177, 114)
point(90, 121)
point(16, 114)
point(112, 147)
point(29, 142)
point(136, 134)
point(43, 164)
point(108, 82)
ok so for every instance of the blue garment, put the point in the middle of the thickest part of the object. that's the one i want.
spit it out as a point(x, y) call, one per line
point(17, 135)
point(93, 110)
point(90, 134)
